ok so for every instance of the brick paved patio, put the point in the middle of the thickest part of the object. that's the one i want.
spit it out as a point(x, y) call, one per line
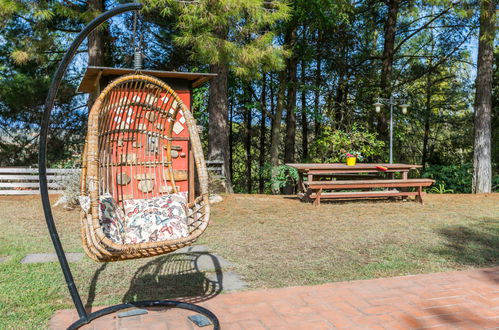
point(453, 300)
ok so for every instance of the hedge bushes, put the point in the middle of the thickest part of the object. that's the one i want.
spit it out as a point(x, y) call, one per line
point(456, 177)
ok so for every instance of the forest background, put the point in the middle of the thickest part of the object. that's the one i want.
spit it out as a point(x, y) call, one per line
point(296, 82)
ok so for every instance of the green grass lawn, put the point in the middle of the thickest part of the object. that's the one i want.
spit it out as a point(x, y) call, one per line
point(273, 241)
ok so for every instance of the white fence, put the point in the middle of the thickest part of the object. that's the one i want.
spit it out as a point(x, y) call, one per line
point(25, 181)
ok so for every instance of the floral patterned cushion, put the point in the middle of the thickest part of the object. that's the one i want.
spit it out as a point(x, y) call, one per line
point(111, 217)
point(156, 219)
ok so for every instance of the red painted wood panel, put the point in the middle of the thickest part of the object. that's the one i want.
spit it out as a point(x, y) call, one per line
point(125, 146)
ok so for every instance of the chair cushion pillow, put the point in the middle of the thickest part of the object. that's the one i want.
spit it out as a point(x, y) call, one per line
point(111, 216)
point(155, 219)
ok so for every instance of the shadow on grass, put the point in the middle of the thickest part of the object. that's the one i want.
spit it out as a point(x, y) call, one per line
point(175, 276)
point(93, 286)
point(476, 244)
point(346, 200)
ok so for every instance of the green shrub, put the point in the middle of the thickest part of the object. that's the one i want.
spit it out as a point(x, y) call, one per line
point(495, 183)
point(333, 143)
point(278, 177)
point(456, 178)
point(440, 189)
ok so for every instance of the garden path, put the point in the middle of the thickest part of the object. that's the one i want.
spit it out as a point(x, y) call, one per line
point(460, 299)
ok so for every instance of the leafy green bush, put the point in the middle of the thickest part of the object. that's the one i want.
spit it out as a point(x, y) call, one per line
point(333, 143)
point(495, 183)
point(277, 177)
point(456, 178)
point(440, 189)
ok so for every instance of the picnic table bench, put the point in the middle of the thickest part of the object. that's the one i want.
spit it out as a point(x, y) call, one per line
point(316, 188)
point(360, 177)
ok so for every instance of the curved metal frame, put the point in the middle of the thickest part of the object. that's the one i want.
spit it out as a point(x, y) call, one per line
point(86, 318)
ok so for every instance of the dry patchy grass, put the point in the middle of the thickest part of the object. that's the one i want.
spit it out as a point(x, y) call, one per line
point(273, 241)
point(278, 241)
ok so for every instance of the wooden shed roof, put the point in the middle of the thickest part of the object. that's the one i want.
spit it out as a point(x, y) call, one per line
point(88, 82)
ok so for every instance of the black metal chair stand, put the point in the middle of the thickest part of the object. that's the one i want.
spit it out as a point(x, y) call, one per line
point(86, 318)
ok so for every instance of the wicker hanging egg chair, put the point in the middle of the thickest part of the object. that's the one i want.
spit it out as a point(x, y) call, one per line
point(124, 196)
point(131, 206)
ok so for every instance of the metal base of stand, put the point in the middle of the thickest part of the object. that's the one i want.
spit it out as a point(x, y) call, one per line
point(148, 303)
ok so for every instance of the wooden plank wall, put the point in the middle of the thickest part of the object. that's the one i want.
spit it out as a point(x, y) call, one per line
point(24, 181)
point(216, 166)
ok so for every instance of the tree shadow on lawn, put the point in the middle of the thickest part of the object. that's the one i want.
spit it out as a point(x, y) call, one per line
point(174, 276)
point(476, 244)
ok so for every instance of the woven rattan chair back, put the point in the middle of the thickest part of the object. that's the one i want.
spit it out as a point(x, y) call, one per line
point(128, 154)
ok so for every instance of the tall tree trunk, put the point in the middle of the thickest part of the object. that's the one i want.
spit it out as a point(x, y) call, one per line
point(247, 140)
point(273, 102)
point(427, 115)
point(96, 38)
point(387, 65)
point(275, 139)
point(263, 130)
point(427, 122)
point(304, 119)
point(272, 94)
point(289, 144)
point(482, 167)
point(231, 140)
point(339, 105)
point(317, 85)
point(218, 131)
point(96, 51)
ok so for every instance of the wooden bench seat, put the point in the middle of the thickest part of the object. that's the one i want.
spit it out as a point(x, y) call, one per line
point(352, 175)
point(315, 189)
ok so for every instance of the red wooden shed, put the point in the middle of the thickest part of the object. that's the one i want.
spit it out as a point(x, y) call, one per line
point(183, 83)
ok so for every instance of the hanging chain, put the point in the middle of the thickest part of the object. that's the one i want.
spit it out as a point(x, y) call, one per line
point(137, 53)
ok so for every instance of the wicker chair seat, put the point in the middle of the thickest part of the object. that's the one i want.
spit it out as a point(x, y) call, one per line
point(142, 220)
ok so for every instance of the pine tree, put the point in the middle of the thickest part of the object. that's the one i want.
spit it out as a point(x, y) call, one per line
point(230, 36)
point(482, 166)
point(32, 43)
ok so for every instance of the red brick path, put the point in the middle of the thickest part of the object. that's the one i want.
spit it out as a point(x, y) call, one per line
point(454, 300)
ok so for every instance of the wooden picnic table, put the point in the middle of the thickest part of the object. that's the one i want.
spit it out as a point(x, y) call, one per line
point(360, 176)
point(336, 169)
